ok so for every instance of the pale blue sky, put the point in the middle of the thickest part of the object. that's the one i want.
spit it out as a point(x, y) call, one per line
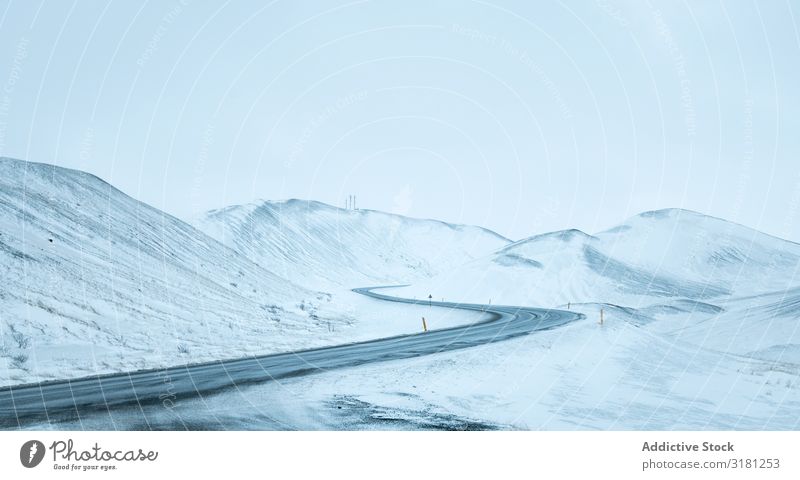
point(522, 117)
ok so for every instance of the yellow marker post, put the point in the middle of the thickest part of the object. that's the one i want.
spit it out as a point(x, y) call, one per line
point(424, 325)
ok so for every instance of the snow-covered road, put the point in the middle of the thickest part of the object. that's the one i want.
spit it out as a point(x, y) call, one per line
point(63, 400)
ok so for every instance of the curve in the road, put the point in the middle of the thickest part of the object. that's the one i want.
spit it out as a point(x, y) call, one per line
point(22, 404)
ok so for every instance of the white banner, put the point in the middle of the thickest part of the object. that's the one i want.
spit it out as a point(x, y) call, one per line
point(413, 455)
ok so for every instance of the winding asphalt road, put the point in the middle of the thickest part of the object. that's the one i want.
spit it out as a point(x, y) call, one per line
point(23, 404)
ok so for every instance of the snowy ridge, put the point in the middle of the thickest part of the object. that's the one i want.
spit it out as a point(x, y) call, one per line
point(701, 315)
point(656, 255)
point(728, 257)
point(319, 245)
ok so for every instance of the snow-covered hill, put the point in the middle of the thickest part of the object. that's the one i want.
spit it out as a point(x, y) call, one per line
point(321, 246)
point(96, 281)
point(722, 257)
point(666, 254)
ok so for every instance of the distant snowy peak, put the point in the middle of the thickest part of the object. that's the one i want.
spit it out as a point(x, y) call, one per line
point(314, 243)
point(689, 222)
point(533, 251)
point(555, 239)
point(681, 218)
point(650, 257)
point(704, 248)
point(709, 255)
point(298, 207)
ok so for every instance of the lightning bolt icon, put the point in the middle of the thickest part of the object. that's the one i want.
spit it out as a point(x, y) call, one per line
point(34, 447)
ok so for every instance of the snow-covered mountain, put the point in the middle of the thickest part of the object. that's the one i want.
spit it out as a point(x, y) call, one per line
point(724, 257)
point(665, 254)
point(95, 281)
point(321, 246)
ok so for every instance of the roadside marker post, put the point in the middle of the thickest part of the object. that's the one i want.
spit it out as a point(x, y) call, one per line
point(424, 325)
point(601, 316)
